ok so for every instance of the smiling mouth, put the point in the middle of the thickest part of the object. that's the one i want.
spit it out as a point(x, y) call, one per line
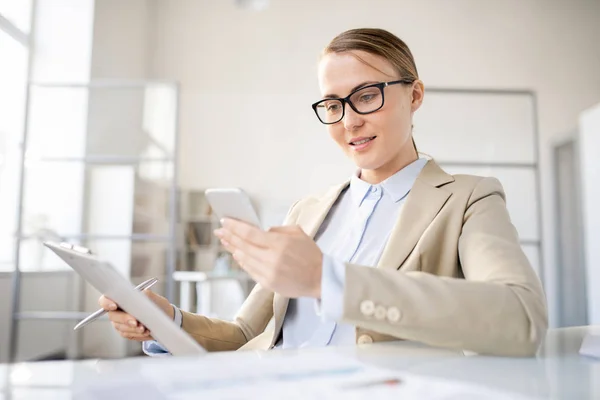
point(362, 141)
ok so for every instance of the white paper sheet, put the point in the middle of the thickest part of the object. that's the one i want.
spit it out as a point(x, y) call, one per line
point(590, 346)
point(107, 280)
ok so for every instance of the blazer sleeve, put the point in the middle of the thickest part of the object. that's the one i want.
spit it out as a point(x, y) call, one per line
point(220, 335)
point(499, 308)
point(250, 321)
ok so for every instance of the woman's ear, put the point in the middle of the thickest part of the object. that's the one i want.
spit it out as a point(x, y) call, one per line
point(418, 92)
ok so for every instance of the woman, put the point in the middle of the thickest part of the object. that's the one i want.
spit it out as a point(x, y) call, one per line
point(402, 250)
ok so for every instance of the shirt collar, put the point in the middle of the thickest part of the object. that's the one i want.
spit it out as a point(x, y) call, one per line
point(396, 186)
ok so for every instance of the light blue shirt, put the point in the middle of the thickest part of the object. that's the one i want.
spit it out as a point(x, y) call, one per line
point(152, 347)
point(355, 230)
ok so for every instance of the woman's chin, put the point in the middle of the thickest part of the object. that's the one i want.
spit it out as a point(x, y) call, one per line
point(365, 164)
point(366, 159)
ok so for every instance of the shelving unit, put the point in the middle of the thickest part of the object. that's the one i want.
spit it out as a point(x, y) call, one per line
point(199, 248)
point(99, 161)
point(205, 261)
point(491, 121)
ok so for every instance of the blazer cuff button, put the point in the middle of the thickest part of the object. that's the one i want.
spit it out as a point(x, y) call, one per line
point(364, 339)
point(380, 313)
point(393, 314)
point(367, 308)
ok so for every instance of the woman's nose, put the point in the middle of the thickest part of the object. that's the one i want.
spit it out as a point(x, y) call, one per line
point(352, 119)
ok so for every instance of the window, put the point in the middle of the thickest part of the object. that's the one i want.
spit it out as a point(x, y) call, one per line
point(13, 82)
point(17, 13)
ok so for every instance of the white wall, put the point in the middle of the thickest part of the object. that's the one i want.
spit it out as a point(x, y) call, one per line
point(123, 32)
point(121, 48)
point(589, 142)
point(248, 80)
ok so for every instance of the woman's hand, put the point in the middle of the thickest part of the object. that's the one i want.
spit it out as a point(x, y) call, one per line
point(126, 325)
point(283, 259)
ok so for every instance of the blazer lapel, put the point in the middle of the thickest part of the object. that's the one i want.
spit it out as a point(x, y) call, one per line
point(312, 215)
point(310, 219)
point(423, 203)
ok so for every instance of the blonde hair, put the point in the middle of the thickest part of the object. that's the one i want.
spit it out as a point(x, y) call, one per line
point(381, 43)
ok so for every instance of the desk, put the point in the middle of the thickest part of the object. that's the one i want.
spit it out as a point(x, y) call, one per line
point(557, 373)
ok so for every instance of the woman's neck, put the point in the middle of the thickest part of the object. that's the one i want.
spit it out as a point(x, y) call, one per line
point(375, 176)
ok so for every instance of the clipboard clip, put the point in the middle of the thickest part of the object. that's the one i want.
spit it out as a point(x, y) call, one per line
point(77, 248)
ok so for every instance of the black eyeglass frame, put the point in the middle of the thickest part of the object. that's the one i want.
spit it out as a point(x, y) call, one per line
point(346, 100)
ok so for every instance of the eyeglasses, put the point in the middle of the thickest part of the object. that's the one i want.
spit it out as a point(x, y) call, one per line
point(364, 100)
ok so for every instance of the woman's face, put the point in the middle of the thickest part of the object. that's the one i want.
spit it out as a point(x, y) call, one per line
point(387, 132)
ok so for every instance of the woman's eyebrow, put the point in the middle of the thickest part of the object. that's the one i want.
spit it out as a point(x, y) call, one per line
point(335, 96)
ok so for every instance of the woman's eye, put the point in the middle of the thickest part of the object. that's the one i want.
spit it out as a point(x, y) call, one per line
point(365, 98)
point(332, 107)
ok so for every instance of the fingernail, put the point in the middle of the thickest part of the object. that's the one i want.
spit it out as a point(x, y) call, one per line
point(132, 323)
point(223, 221)
point(219, 232)
point(141, 329)
point(112, 307)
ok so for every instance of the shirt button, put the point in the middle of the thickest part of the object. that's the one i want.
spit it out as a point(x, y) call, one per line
point(380, 312)
point(367, 308)
point(393, 314)
point(364, 339)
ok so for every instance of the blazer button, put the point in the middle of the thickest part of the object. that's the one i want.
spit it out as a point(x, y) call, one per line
point(380, 312)
point(364, 339)
point(367, 308)
point(393, 314)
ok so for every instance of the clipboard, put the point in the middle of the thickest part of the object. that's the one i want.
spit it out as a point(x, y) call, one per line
point(107, 280)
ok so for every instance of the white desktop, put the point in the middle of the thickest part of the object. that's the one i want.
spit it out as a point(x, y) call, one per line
point(385, 370)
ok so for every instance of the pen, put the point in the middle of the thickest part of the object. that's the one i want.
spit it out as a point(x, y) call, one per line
point(92, 317)
point(382, 382)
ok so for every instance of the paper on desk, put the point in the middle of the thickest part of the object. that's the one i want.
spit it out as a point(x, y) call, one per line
point(309, 376)
point(108, 281)
point(590, 346)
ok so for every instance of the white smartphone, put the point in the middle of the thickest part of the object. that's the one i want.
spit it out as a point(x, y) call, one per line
point(232, 203)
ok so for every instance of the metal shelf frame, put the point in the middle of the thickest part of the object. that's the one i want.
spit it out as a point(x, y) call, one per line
point(534, 166)
point(170, 239)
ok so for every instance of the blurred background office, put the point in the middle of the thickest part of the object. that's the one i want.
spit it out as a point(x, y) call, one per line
point(116, 115)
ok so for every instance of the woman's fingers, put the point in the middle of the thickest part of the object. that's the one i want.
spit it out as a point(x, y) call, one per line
point(122, 317)
point(107, 304)
point(247, 233)
point(125, 324)
point(139, 333)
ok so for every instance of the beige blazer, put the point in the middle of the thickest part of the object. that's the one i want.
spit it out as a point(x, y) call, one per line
point(452, 275)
